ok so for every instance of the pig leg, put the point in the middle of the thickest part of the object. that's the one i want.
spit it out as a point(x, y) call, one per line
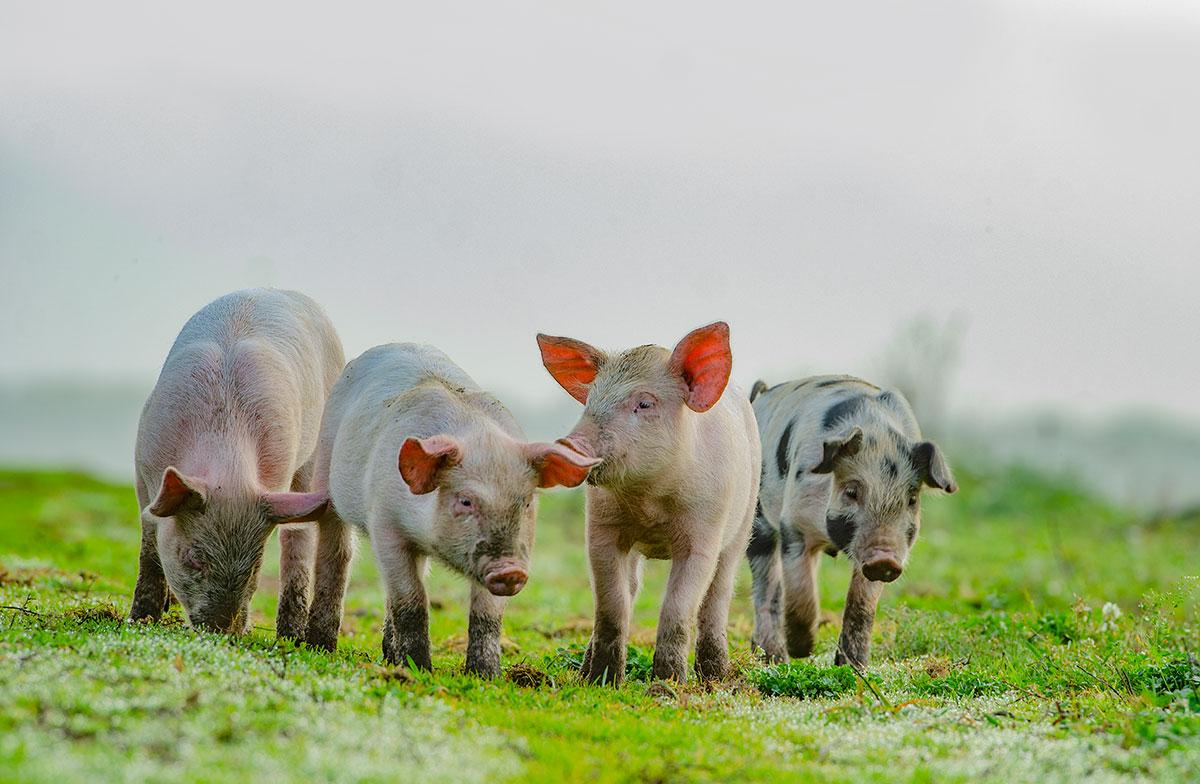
point(335, 550)
point(691, 575)
point(766, 570)
point(604, 661)
point(297, 547)
point(712, 642)
point(406, 632)
point(483, 632)
point(801, 603)
point(150, 595)
point(854, 645)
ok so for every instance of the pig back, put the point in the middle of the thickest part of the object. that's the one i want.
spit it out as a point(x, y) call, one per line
point(253, 367)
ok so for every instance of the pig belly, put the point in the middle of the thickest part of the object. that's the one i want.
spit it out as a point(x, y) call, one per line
point(657, 550)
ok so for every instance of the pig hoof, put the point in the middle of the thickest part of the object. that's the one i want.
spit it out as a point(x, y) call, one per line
point(841, 658)
point(399, 655)
point(142, 614)
point(604, 663)
point(712, 661)
point(799, 642)
point(321, 641)
point(605, 674)
point(770, 651)
point(289, 632)
point(604, 670)
point(670, 668)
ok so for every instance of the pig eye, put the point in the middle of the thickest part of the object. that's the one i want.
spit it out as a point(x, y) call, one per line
point(852, 491)
point(645, 403)
point(912, 500)
point(463, 505)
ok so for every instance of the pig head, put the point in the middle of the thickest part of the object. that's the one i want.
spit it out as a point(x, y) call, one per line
point(210, 538)
point(874, 511)
point(635, 401)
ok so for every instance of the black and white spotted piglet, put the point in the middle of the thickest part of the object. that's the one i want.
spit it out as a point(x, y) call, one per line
point(843, 467)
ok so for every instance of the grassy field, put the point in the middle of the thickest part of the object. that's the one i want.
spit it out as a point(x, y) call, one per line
point(1038, 635)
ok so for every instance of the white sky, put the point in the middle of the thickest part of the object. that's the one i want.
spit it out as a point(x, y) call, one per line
point(470, 174)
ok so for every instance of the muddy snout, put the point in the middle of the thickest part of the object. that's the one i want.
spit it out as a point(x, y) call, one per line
point(219, 621)
point(882, 567)
point(505, 579)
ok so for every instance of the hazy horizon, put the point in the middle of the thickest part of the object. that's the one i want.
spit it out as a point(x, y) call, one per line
point(816, 176)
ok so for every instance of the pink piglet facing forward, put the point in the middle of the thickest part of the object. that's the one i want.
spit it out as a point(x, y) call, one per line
point(678, 480)
point(415, 454)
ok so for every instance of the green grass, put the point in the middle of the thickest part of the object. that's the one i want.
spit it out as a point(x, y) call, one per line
point(1038, 635)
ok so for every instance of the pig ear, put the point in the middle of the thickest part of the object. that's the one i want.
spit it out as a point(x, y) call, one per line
point(838, 448)
point(178, 493)
point(556, 465)
point(932, 467)
point(704, 361)
point(421, 459)
point(572, 363)
point(295, 507)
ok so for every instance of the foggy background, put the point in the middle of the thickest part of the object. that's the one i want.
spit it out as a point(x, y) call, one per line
point(994, 204)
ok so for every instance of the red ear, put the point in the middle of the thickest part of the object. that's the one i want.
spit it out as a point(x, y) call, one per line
point(704, 360)
point(422, 458)
point(178, 493)
point(295, 507)
point(558, 465)
point(572, 363)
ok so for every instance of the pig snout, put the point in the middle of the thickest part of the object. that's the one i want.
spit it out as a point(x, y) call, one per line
point(223, 620)
point(882, 567)
point(579, 443)
point(506, 579)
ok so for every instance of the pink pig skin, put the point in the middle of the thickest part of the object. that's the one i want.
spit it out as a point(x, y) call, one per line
point(223, 456)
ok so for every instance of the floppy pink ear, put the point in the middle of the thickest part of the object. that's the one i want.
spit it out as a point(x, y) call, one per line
point(178, 493)
point(295, 507)
point(704, 361)
point(422, 458)
point(557, 465)
point(572, 363)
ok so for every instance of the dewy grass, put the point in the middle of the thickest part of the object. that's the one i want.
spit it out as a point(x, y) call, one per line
point(1037, 635)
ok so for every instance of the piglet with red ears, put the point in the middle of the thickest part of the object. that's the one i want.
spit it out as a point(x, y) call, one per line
point(678, 480)
point(415, 454)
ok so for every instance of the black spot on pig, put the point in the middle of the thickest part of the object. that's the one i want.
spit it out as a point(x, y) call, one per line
point(843, 409)
point(841, 530)
point(890, 468)
point(781, 451)
point(763, 538)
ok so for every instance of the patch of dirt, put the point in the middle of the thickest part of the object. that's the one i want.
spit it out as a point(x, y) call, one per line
point(96, 612)
point(22, 577)
point(937, 667)
point(527, 676)
point(661, 689)
point(397, 674)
